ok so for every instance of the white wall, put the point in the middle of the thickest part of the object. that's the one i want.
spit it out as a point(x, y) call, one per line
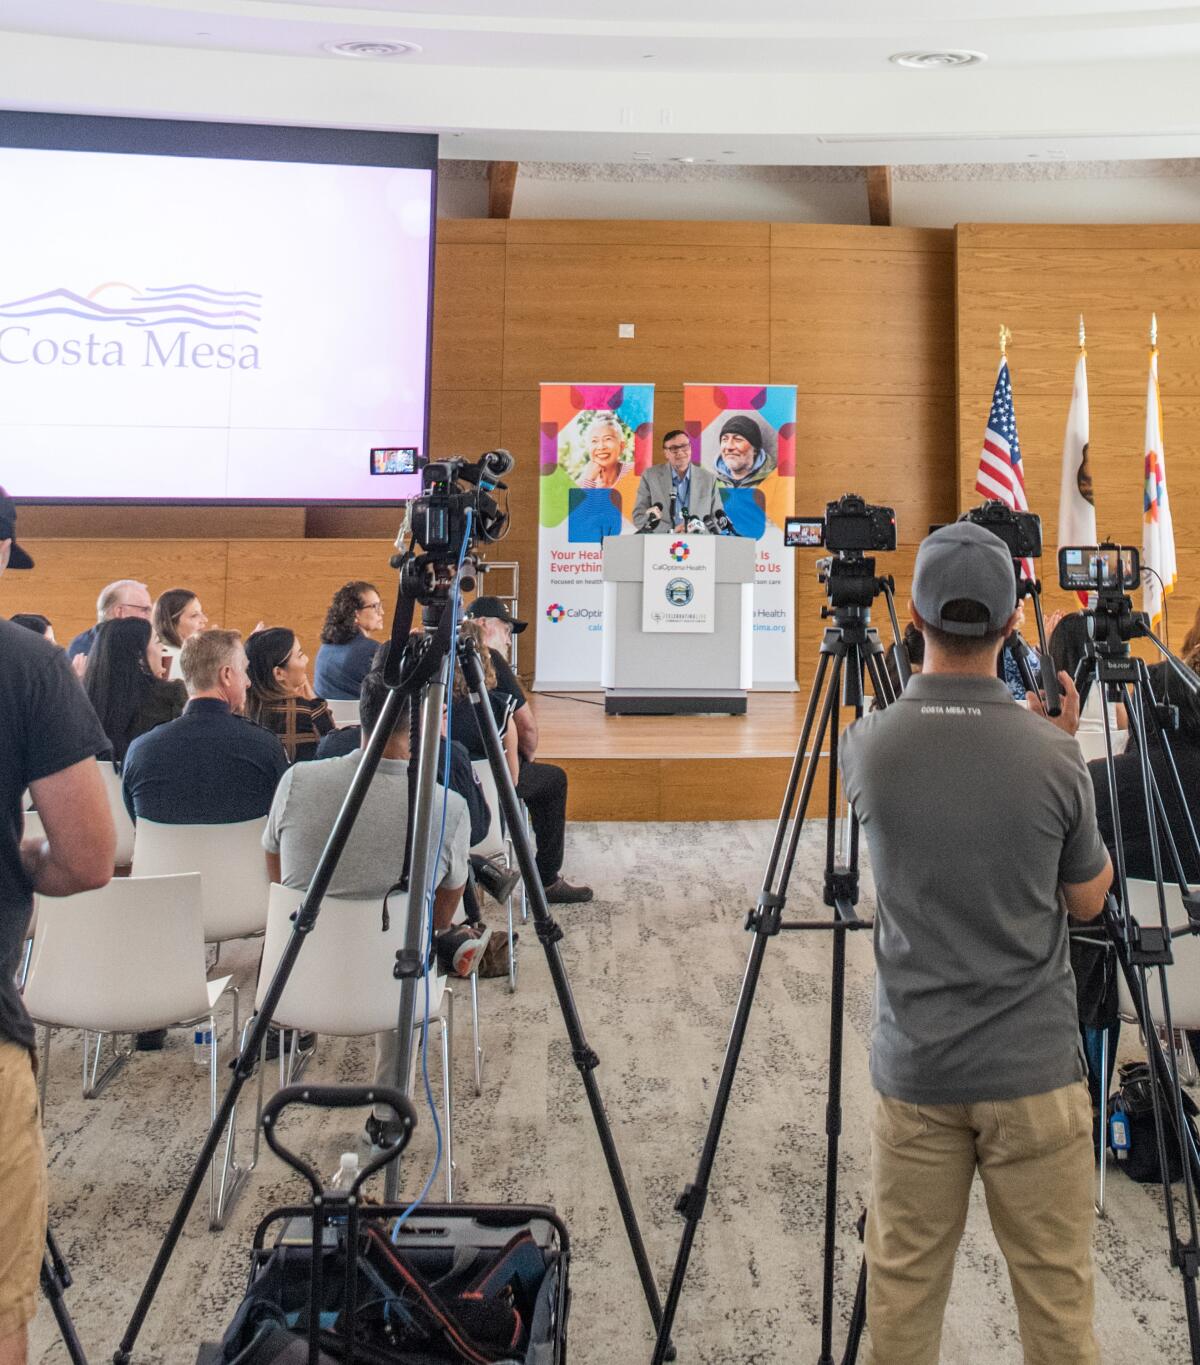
point(922, 196)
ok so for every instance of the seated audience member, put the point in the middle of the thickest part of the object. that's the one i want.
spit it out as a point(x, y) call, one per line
point(304, 810)
point(347, 652)
point(212, 766)
point(542, 786)
point(464, 727)
point(178, 616)
point(128, 696)
point(36, 622)
point(125, 597)
point(281, 698)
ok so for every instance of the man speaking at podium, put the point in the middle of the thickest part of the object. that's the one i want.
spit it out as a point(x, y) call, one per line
point(669, 494)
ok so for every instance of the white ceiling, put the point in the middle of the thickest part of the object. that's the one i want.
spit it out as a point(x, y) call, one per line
point(781, 82)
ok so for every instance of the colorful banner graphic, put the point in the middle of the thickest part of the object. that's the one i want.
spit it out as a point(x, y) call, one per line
point(746, 434)
point(596, 439)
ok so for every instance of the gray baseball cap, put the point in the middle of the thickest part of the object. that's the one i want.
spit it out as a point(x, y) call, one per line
point(964, 561)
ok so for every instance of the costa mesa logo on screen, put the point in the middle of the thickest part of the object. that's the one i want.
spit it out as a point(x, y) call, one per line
point(118, 325)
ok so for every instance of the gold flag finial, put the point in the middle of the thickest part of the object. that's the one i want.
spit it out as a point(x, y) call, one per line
point(1153, 329)
point(1082, 334)
point(1005, 338)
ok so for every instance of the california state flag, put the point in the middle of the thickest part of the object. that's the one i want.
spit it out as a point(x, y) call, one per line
point(1158, 535)
point(1076, 504)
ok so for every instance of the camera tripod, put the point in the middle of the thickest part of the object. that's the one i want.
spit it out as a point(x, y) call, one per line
point(849, 652)
point(417, 670)
point(1143, 950)
point(56, 1280)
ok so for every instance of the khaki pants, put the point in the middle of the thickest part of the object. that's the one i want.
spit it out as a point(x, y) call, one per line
point(22, 1190)
point(1034, 1156)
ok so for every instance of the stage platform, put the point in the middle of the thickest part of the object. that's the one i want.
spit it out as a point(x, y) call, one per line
point(673, 767)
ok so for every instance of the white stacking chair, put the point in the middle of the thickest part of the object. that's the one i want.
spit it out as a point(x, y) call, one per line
point(32, 830)
point(342, 984)
point(116, 804)
point(232, 866)
point(124, 959)
point(343, 712)
point(497, 844)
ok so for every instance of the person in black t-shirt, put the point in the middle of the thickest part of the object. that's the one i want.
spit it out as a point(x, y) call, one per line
point(49, 737)
point(542, 786)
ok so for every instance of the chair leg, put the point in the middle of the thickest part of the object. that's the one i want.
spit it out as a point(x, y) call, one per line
point(44, 1077)
point(233, 1176)
point(512, 951)
point(98, 1080)
point(26, 956)
point(478, 1046)
point(447, 1024)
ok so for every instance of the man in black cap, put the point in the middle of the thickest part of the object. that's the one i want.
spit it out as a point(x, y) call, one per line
point(542, 786)
point(981, 825)
point(49, 737)
point(742, 463)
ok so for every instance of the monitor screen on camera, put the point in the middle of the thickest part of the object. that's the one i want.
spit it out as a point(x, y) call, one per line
point(208, 312)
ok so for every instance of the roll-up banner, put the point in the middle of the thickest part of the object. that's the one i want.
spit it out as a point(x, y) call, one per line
point(596, 439)
point(746, 434)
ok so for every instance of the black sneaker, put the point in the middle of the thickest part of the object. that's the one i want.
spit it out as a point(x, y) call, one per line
point(153, 1040)
point(498, 881)
point(307, 1042)
point(561, 892)
point(374, 1132)
point(460, 949)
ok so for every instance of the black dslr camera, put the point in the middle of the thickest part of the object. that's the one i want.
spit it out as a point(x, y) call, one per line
point(849, 524)
point(441, 527)
point(1020, 531)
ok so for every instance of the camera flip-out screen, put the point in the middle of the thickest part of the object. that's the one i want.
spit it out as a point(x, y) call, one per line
point(394, 460)
point(802, 533)
point(1099, 568)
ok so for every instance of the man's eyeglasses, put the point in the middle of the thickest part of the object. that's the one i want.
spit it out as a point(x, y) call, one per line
point(678, 448)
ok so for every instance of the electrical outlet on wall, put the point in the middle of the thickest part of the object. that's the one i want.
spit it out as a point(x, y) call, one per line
point(625, 331)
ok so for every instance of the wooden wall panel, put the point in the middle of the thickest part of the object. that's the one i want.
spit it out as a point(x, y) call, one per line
point(69, 574)
point(702, 313)
point(468, 324)
point(1037, 280)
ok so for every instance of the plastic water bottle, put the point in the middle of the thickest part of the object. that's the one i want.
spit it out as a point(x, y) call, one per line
point(202, 1041)
point(347, 1172)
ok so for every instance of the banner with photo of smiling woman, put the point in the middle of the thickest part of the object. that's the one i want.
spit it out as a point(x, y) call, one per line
point(596, 439)
point(746, 434)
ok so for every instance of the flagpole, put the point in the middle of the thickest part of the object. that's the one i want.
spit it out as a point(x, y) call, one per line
point(1005, 338)
point(1082, 336)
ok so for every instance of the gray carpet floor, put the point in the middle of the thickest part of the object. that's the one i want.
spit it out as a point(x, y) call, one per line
point(656, 962)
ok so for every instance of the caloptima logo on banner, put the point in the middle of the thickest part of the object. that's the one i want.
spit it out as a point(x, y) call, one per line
point(556, 612)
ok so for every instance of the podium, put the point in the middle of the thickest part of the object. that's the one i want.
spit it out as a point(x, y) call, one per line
point(647, 672)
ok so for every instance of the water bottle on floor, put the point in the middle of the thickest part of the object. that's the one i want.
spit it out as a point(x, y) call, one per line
point(202, 1041)
point(347, 1172)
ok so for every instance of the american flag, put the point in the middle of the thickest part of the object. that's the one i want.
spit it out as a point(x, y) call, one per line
point(1001, 474)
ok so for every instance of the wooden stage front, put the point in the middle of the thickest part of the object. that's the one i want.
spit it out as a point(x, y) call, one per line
point(673, 767)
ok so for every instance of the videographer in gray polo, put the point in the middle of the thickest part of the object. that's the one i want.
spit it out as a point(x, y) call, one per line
point(980, 820)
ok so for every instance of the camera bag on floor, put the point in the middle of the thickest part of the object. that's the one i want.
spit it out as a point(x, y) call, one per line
point(336, 1280)
point(1133, 1099)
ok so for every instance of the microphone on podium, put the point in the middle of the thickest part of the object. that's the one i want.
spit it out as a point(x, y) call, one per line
point(695, 526)
point(653, 517)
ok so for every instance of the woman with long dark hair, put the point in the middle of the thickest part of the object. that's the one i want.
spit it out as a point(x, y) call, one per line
point(122, 686)
point(347, 650)
point(281, 696)
point(178, 616)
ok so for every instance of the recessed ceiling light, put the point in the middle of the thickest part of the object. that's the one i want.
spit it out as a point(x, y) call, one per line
point(683, 160)
point(648, 56)
point(934, 60)
point(372, 49)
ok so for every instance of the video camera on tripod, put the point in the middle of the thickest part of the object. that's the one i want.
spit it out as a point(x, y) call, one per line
point(455, 509)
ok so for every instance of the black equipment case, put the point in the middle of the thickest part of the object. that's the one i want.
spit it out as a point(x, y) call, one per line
point(483, 1284)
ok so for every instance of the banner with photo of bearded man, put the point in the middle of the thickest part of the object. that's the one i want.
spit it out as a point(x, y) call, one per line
point(746, 434)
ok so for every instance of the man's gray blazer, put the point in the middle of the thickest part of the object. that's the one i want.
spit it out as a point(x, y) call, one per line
point(656, 487)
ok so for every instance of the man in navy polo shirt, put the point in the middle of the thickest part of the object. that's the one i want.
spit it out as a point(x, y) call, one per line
point(212, 766)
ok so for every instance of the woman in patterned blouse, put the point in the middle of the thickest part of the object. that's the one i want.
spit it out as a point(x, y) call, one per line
point(281, 697)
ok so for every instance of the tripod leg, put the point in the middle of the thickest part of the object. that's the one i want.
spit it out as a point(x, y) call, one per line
point(691, 1202)
point(549, 935)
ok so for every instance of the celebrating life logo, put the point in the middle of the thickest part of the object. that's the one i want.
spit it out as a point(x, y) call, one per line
point(679, 551)
point(555, 613)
